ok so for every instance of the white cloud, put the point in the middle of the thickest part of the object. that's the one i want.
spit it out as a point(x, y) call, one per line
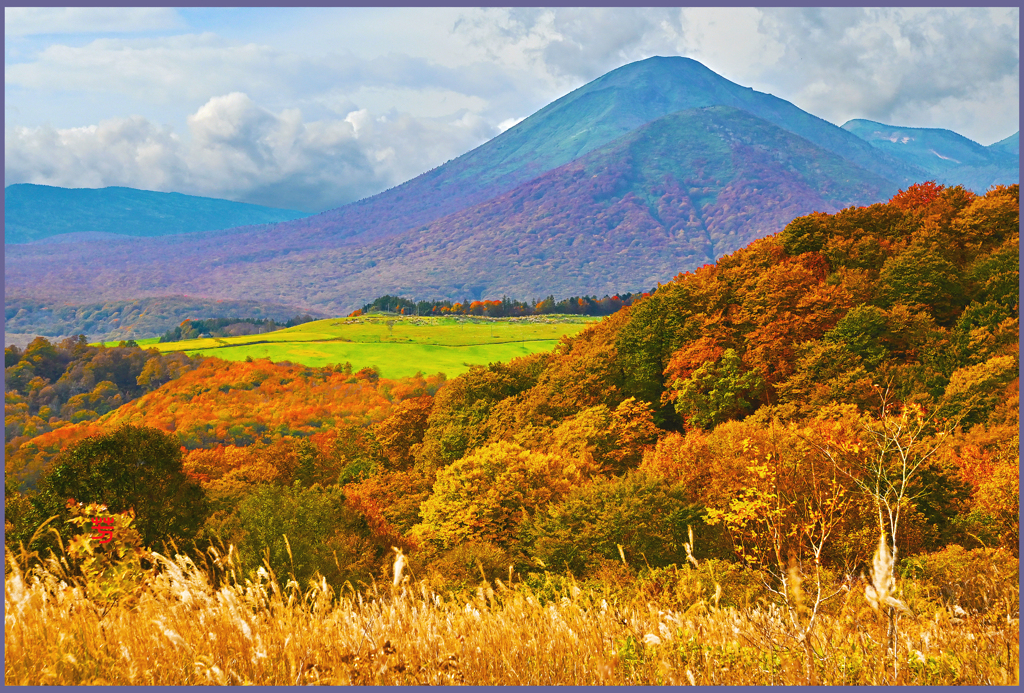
point(238, 150)
point(159, 70)
point(954, 68)
point(26, 21)
point(189, 68)
point(311, 108)
point(730, 41)
point(933, 67)
point(509, 122)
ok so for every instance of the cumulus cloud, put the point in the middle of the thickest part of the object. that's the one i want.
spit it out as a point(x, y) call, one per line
point(269, 119)
point(236, 149)
point(569, 46)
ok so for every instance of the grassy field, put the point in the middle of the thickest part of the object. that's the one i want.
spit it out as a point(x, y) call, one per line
point(398, 346)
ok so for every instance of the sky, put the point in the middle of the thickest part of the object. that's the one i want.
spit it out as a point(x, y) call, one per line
point(312, 108)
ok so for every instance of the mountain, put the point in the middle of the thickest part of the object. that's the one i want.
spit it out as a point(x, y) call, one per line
point(674, 194)
point(587, 118)
point(38, 212)
point(949, 158)
point(1010, 145)
point(730, 163)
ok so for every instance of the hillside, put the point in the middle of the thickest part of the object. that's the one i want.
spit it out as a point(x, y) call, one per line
point(1010, 145)
point(804, 353)
point(395, 346)
point(676, 193)
point(39, 212)
point(114, 320)
point(579, 122)
point(949, 158)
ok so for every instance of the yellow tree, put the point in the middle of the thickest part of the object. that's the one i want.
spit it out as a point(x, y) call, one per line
point(782, 521)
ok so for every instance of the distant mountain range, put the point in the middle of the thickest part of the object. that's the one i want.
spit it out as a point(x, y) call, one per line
point(24, 319)
point(38, 212)
point(1011, 145)
point(653, 169)
point(949, 158)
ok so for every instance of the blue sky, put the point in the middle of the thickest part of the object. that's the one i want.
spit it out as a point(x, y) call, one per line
point(316, 107)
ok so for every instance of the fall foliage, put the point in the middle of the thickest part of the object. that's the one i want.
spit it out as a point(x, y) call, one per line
point(759, 402)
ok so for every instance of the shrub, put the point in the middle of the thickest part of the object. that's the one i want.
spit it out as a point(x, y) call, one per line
point(635, 511)
point(977, 580)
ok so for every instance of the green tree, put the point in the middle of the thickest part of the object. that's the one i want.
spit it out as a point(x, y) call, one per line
point(12, 355)
point(861, 331)
point(637, 511)
point(921, 276)
point(805, 234)
point(458, 420)
point(47, 361)
point(132, 467)
point(644, 344)
point(303, 531)
point(996, 276)
point(717, 391)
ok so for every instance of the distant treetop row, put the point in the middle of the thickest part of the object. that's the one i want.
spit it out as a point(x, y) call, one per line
point(504, 308)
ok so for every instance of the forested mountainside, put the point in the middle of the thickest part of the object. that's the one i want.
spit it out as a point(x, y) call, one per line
point(754, 397)
point(1010, 145)
point(112, 321)
point(586, 119)
point(675, 194)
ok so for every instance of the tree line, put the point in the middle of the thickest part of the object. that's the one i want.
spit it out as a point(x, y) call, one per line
point(503, 308)
point(228, 327)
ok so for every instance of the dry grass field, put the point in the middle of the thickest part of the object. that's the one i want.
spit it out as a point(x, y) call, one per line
point(83, 619)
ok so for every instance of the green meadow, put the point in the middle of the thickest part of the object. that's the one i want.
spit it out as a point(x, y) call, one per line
point(398, 346)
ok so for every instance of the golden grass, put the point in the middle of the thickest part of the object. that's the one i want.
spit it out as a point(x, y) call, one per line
point(185, 625)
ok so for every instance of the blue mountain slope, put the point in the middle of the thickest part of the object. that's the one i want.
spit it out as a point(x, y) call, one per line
point(1011, 145)
point(39, 212)
point(949, 158)
point(579, 122)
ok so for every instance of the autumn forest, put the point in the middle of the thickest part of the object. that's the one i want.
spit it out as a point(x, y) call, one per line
point(817, 432)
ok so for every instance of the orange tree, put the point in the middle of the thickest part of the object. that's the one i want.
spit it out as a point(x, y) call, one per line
point(782, 521)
